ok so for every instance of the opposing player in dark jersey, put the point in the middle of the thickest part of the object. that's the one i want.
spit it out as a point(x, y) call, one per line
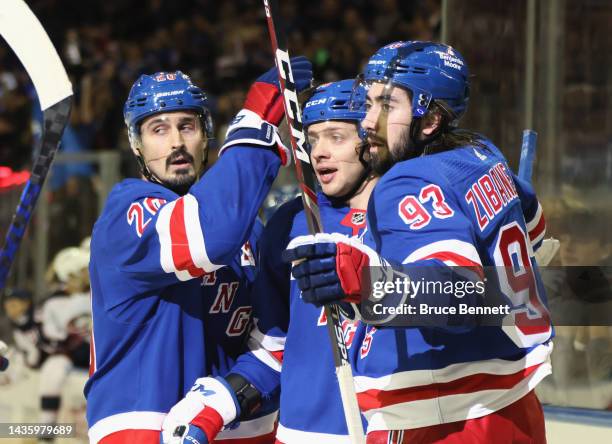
point(446, 206)
point(171, 256)
point(289, 345)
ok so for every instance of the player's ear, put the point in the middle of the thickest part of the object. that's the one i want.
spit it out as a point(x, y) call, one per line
point(431, 123)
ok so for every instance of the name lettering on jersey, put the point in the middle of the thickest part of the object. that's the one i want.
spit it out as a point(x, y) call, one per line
point(246, 255)
point(413, 212)
point(240, 321)
point(366, 345)
point(136, 213)
point(209, 279)
point(225, 296)
point(490, 194)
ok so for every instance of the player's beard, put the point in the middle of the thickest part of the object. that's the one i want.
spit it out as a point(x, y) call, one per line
point(183, 178)
point(383, 159)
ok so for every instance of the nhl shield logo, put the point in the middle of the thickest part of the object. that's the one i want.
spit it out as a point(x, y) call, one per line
point(358, 218)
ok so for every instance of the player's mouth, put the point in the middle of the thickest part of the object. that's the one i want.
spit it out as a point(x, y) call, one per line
point(180, 160)
point(376, 143)
point(326, 174)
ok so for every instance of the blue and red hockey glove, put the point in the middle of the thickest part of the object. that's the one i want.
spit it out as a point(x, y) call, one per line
point(197, 419)
point(257, 122)
point(264, 97)
point(331, 268)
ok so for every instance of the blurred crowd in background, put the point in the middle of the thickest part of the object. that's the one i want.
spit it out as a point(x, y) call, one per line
point(223, 46)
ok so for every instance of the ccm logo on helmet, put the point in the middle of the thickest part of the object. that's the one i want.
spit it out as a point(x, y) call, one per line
point(315, 102)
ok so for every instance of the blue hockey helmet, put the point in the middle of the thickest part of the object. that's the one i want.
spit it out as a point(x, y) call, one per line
point(433, 72)
point(164, 92)
point(335, 101)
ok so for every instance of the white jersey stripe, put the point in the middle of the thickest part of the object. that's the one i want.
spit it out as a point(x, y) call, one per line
point(165, 241)
point(535, 241)
point(263, 355)
point(451, 408)
point(249, 429)
point(125, 421)
point(415, 378)
point(536, 219)
point(455, 246)
point(271, 343)
point(195, 237)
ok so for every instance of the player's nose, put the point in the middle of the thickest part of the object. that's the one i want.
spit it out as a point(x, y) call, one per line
point(369, 121)
point(320, 151)
point(176, 138)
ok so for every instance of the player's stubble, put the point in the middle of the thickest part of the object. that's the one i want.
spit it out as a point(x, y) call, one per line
point(382, 160)
point(183, 178)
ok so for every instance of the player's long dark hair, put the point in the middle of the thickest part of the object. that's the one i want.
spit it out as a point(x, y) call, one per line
point(448, 137)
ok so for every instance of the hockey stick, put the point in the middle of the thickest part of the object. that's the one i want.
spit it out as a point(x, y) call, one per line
point(549, 248)
point(528, 149)
point(28, 39)
point(307, 181)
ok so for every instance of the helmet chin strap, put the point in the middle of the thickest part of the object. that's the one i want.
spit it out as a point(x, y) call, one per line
point(343, 199)
point(144, 169)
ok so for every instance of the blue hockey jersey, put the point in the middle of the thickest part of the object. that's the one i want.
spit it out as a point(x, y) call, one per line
point(459, 208)
point(293, 333)
point(170, 280)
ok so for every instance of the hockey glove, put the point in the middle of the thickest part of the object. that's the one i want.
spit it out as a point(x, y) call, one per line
point(331, 268)
point(256, 124)
point(264, 97)
point(209, 406)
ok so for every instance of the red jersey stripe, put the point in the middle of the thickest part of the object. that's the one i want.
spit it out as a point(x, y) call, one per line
point(375, 399)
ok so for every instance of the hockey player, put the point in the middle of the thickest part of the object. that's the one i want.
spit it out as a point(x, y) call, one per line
point(65, 326)
point(447, 205)
point(289, 333)
point(170, 261)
